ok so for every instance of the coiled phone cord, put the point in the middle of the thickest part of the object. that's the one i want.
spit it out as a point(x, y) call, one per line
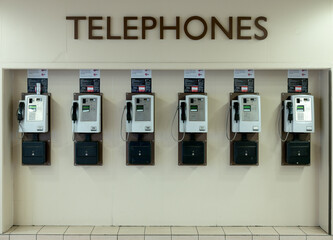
point(226, 126)
point(173, 122)
point(279, 125)
point(121, 127)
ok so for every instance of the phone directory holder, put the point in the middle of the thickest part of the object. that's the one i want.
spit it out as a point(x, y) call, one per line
point(139, 114)
point(192, 129)
point(87, 118)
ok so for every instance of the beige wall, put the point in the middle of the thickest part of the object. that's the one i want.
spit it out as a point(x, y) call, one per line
point(166, 194)
point(35, 34)
point(324, 161)
point(7, 191)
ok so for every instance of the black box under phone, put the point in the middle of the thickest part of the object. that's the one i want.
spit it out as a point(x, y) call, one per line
point(246, 152)
point(298, 152)
point(193, 152)
point(33, 153)
point(139, 152)
point(86, 153)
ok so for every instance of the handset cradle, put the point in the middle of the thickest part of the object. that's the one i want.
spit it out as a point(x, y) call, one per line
point(128, 112)
point(20, 111)
point(74, 113)
point(183, 109)
point(236, 107)
point(290, 111)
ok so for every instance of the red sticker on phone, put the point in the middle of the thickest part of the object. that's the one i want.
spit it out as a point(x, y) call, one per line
point(298, 88)
point(142, 88)
point(90, 89)
point(244, 88)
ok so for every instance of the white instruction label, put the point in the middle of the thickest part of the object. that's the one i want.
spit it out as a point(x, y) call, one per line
point(38, 73)
point(194, 73)
point(141, 73)
point(90, 73)
point(239, 73)
point(298, 73)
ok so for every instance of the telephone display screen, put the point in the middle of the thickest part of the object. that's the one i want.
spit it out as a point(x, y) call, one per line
point(139, 108)
point(300, 108)
point(247, 108)
point(194, 108)
point(32, 108)
point(85, 108)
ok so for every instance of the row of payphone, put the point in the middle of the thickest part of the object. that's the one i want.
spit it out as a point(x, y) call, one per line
point(297, 112)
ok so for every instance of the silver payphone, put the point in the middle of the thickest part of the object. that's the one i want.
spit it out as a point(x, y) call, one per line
point(299, 114)
point(140, 114)
point(33, 113)
point(86, 114)
point(246, 114)
point(193, 117)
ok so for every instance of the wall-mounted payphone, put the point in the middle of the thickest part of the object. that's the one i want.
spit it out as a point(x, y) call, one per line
point(298, 123)
point(86, 115)
point(33, 120)
point(193, 114)
point(140, 114)
point(140, 121)
point(33, 113)
point(245, 126)
point(193, 127)
point(246, 115)
point(299, 114)
point(87, 128)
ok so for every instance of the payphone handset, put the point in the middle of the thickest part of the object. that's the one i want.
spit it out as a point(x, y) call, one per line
point(246, 114)
point(86, 114)
point(193, 117)
point(299, 114)
point(140, 114)
point(32, 114)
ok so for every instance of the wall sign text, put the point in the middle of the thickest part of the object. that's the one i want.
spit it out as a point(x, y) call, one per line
point(135, 28)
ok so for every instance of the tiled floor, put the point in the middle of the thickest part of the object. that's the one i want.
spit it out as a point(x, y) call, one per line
point(163, 233)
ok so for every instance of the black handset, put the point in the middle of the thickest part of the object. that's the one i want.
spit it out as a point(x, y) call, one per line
point(74, 113)
point(236, 107)
point(290, 111)
point(20, 112)
point(183, 115)
point(129, 115)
